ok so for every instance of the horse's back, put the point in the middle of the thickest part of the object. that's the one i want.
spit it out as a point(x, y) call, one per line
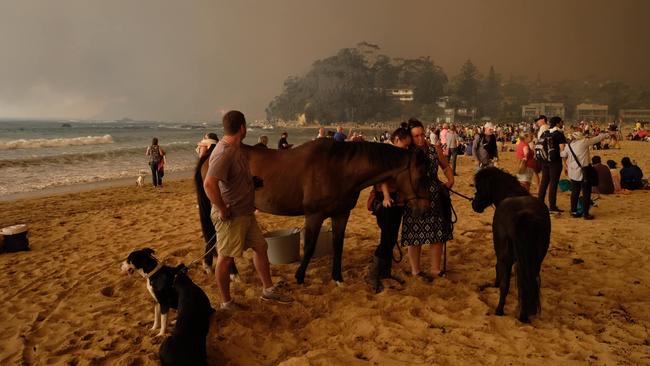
point(523, 218)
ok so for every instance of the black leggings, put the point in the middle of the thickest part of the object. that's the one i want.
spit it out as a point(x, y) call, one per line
point(389, 220)
point(576, 187)
point(550, 178)
point(155, 175)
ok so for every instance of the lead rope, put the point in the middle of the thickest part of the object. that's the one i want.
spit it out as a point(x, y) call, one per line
point(204, 254)
point(454, 220)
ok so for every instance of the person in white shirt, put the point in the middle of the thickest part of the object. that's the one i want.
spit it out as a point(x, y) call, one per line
point(577, 155)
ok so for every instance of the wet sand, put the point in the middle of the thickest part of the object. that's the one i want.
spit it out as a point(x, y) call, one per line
point(65, 301)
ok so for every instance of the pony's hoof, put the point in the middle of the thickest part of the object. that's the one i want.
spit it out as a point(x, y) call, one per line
point(524, 319)
point(208, 269)
point(339, 283)
point(499, 312)
point(234, 277)
point(300, 279)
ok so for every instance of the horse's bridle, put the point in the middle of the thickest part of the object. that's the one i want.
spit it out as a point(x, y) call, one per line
point(416, 197)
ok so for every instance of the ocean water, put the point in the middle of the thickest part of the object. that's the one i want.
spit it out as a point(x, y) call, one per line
point(37, 155)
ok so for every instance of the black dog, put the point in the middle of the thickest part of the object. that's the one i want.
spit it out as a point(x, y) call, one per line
point(186, 345)
point(521, 230)
point(160, 283)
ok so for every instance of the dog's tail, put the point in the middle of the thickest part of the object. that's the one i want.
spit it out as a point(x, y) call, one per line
point(530, 248)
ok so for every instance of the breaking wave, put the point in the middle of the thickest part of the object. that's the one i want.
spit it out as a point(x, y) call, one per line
point(39, 143)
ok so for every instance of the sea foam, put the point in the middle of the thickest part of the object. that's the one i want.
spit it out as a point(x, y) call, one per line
point(59, 142)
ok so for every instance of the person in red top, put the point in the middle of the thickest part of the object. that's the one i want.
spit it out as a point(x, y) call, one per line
point(526, 160)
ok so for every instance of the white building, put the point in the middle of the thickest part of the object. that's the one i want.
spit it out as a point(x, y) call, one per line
point(591, 112)
point(634, 115)
point(532, 110)
point(402, 95)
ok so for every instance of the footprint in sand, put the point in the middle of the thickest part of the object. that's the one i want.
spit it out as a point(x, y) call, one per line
point(107, 291)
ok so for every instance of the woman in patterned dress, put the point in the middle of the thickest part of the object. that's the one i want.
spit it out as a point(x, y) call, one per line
point(432, 228)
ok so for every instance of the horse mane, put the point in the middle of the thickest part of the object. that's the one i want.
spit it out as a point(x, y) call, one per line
point(502, 183)
point(381, 155)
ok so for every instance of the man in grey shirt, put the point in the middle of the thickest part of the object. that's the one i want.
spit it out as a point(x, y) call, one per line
point(229, 186)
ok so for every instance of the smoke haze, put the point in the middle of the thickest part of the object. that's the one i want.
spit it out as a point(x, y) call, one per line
point(189, 60)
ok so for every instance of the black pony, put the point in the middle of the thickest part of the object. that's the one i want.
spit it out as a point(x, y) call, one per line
point(521, 231)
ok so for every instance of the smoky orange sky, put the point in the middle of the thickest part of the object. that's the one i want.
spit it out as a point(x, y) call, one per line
point(189, 60)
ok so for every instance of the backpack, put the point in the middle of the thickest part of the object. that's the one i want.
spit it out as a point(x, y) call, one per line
point(544, 147)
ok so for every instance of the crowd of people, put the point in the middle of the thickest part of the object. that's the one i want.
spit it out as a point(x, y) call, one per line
point(543, 150)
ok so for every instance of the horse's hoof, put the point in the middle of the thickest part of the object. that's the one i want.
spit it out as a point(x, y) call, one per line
point(499, 312)
point(208, 269)
point(300, 279)
point(339, 283)
point(524, 319)
point(235, 277)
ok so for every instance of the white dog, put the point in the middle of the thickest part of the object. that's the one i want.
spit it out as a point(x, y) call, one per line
point(140, 180)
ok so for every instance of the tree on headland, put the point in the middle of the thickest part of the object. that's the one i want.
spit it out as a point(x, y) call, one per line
point(468, 81)
point(490, 98)
point(359, 85)
point(356, 85)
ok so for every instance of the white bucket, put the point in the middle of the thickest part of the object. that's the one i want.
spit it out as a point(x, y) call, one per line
point(324, 243)
point(15, 238)
point(283, 246)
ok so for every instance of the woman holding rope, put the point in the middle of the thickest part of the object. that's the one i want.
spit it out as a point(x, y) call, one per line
point(388, 206)
point(434, 228)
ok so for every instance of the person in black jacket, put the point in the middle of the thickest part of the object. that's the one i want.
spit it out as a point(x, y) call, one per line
point(552, 168)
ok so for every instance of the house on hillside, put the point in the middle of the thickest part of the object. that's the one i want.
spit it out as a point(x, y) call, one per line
point(457, 115)
point(401, 95)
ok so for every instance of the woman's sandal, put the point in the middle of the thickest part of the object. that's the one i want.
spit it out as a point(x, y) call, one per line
point(424, 276)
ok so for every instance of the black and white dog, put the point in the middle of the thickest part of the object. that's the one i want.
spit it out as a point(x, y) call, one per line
point(186, 345)
point(160, 283)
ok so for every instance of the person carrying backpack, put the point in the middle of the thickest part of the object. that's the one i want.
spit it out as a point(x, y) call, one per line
point(550, 143)
point(156, 162)
point(484, 147)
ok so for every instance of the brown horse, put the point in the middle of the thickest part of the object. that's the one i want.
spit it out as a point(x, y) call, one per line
point(323, 179)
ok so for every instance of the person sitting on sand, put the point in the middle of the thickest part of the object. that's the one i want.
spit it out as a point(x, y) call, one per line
point(388, 207)
point(631, 175)
point(204, 145)
point(616, 176)
point(605, 181)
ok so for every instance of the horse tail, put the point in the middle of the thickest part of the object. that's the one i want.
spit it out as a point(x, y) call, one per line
point(527, 244)
point(205, 206)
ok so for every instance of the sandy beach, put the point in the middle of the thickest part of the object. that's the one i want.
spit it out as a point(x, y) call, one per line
point(65, 302)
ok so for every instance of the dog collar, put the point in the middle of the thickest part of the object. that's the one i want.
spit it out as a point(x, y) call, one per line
point(158, 267)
